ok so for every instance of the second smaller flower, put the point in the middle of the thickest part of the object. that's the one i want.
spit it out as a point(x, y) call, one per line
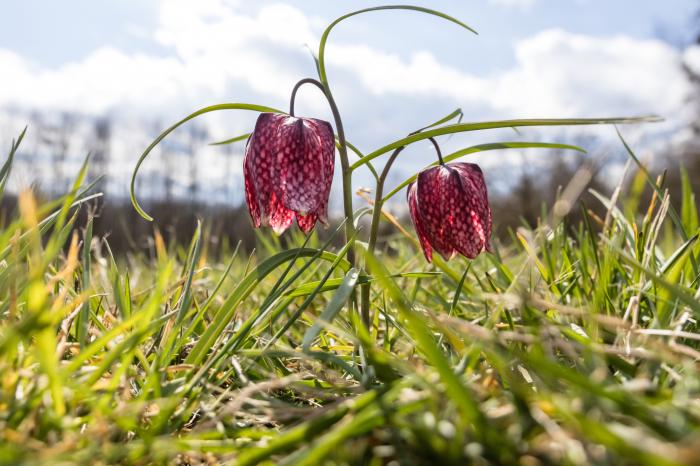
point(450, 210)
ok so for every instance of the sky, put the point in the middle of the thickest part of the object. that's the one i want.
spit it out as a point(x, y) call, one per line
point(391, 72)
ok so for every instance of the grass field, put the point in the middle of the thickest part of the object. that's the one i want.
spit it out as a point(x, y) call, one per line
point(572, 344)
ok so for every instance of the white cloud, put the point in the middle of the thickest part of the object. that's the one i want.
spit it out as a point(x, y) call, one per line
point(556, 74)
point(218, 44)
point(213, 52)
point(561, 73)
point(524, 4)
point(219, 53)
point(691, 57)
point(104, 80)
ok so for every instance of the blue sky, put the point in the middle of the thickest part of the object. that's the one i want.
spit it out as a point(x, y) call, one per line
point(392, 71)
point(51, 33)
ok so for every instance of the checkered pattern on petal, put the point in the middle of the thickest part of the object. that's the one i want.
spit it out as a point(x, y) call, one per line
point(323, 133)
point(251, 195)
point(449, 208)
point(475, 189)
point(412, 195)
point(301, 171)
point(306, 222)
point(257, 165)
point(288, 169)
point(435, 206)
point(279, 217)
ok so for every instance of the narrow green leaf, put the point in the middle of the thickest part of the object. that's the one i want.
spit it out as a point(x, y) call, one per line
point(334, 283)
point(416, 324)
point(689, 209)
point(244, 288)
point(242, 137)
point(337, 302)
point(483, 148)
point(156, 141)
point(84, 316)
point(455, 114)
point(467, 127)
point(671, 209)
point(293, 318)
point(324, 37)
point(678, 253)
point(7, 166)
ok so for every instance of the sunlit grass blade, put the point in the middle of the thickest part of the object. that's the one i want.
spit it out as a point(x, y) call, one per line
point(334, 283)
point(309, 298)
point(340, 297)
point(300, 434)
point(244, 288)
point(84, 316)
point(672, 210)
point(451, 116)
point(417, 327)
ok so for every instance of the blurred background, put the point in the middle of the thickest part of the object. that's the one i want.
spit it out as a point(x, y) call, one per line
point(105, 78)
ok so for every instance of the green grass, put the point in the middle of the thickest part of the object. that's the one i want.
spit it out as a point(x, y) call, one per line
point(573, 344)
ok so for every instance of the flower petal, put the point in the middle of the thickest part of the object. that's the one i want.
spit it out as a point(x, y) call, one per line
point(324, 131)
point(411, 194)
point(288, 169)
point(477, 203)
point(435, 202)
point(251, 195)
point(306, 222)
point(260, 157)
point(302, 147)
point(279, 217)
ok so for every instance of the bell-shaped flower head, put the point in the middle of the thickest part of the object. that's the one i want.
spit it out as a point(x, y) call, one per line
point(450, 210)
point(288, 171)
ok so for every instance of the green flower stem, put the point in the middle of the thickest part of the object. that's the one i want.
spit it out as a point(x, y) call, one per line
point(342, 151)
point(293, 97)
point(378, 203)
point(374, 229)
point(342, 146)
point(346, 172)
point(437, 149)
point(376, 218)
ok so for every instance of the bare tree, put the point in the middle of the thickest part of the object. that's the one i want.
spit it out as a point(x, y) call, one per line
point(167, 164)
point(197, 138)
point(57, 138)
point(100, 152)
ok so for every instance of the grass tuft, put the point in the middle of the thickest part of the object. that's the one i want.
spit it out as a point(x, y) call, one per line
point(574, 344)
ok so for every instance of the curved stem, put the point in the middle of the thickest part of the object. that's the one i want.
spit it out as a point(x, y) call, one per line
point(467, 127)
point(376, 217)
point(343, 153)
point(342, 149)
point(374, 229)
point(324, 38)
point(346, 171)
point(350, 231)
point(437, 149)
point(377, 208)
point(378, 201)
point(293, 97)
point(201, 111)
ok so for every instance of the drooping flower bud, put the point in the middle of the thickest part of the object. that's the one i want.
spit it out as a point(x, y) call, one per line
point(288, 171)
point(450, 210)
